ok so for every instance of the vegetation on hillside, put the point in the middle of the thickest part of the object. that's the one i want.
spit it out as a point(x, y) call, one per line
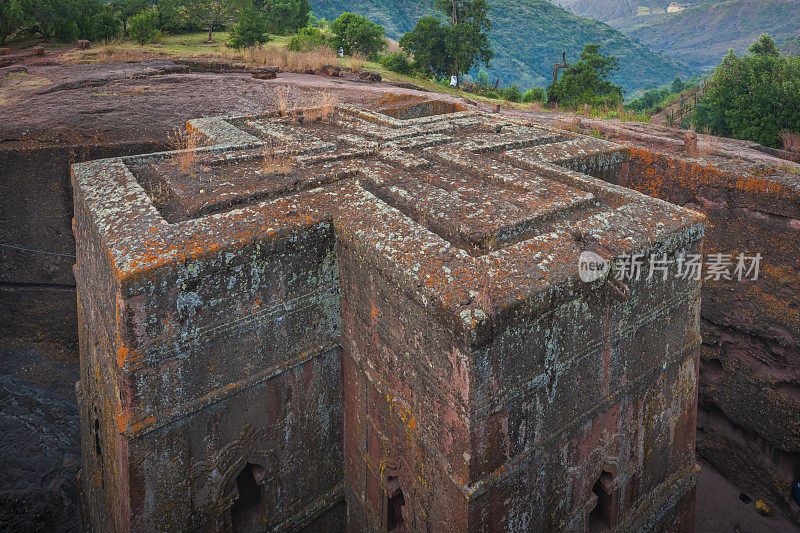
point(700, 35)
point(791, 47)
point(527, 37)
point(754, 97)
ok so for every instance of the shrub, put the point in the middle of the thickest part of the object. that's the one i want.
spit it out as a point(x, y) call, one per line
point(308, 38)
point(143, 28)
point(483, 78)
point(512, 94)
point(106, 26)
point(249, 30)
point(754, 97)
point(356, 34)
point(534, 94)
point(397, 62)
point(677, 85)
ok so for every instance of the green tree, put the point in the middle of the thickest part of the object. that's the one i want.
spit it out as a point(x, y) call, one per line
point(397, 62)
point(94, 20)
point(249, 30)
point(127, 9)
point(754, 97)
point(677, 85)
point(144, 26)
point(285, 17)
point(764, 46)
point(356, 34)
point(588, 81)
point(468, 38)
point(172, 16)
point(512, 94)
point(427, 42)
point(452, 48)
point(209, 14)
point(308, 39)
point(534, 94)
point(12, 19)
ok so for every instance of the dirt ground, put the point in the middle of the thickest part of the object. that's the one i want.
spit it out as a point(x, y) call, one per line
point(44, 103)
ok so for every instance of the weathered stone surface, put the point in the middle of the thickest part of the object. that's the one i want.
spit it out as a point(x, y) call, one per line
point(749, 424)
point(330, 70)
point(370, 76)
point(265, 73)
point(383, 307)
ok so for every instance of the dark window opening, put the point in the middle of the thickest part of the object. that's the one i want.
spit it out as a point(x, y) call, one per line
point(246, 509)
point(603, 517)
point(394, 508)
point(97, 447)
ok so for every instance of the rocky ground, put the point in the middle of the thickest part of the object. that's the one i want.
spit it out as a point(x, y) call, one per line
point(44, 103)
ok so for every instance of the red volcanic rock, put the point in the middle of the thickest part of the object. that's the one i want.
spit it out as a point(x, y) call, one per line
point(376, 318)
point(265, 73)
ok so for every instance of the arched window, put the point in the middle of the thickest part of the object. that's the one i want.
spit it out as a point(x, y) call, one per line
point(248, 508)
point(604, 515)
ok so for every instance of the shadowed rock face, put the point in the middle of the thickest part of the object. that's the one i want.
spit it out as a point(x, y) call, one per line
point(749, 422)
point(382, 308)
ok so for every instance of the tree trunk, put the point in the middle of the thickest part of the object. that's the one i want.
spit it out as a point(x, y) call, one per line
point(210, 29)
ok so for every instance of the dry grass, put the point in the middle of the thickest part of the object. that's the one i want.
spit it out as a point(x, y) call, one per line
point(277, 158)
point(392, 46)
point(535, 106)
point(321, 107)
point(108, 51)
point(284, 100)
point(357, 62)
point(185, 143)
point(791, 141)
point(288, 60)
point(159, 193)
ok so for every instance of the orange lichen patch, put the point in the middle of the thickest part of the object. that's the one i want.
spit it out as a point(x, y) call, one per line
point(664, 176)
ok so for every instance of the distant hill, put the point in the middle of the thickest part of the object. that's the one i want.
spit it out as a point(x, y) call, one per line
point(700, 35)
point(791, 47)
point(528, 36)
point(621, 13)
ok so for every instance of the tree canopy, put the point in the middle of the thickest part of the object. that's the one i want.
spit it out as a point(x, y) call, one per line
point(210, 13)
point(249, 30)
point(454, 47)
point(754, 97)
point(588, 81)
point(356, 34)
point(284, 17)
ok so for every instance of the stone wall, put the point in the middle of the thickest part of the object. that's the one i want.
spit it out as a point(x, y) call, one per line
point(749, 420)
